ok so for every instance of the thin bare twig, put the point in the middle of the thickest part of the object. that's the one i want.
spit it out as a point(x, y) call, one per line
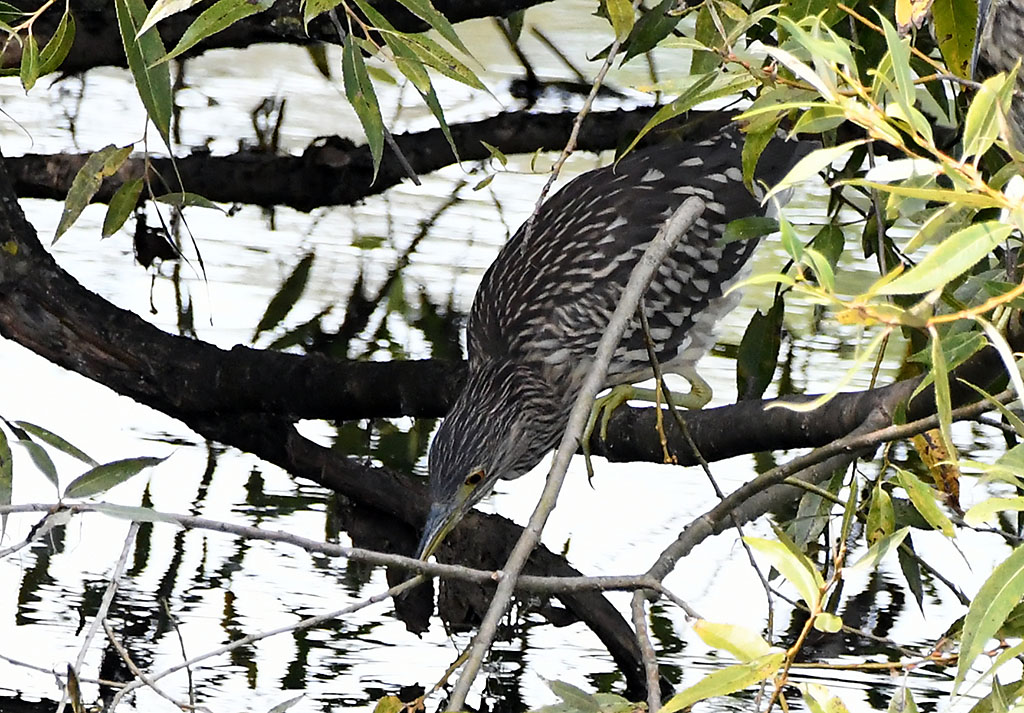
point(101, 613)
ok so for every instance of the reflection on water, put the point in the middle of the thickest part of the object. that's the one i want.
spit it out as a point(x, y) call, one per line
point(390, 279)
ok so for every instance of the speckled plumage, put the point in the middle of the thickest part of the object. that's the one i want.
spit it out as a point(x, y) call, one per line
point(545, 302)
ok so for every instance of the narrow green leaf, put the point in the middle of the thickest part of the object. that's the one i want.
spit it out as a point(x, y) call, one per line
point(758, 353)
point(163, 9)
point(315, 8)
point(182, 200)
point(426, 11)
point(215, 18)
point(725, 681)
point(29, 62)
point(104, 477)
point(923, 498)
point(899, 50)
point(822, 269)
point(620, 15)
point(121, 206)
point(436, 56)
point(881, 516)
point(797, 570)
point(880, 550)
point(6, 478)
point(706, 33)
point(653, 26)
point(981, 127)
point(954, 22)
point(756, 226)
point(135, 513)
point(813, 163)
point(42, 460)
point(87, 181)
point(56, 50)
point(574, 698)
point(943, 402)
point(281, 304)
point(791, 242)
point(994, 601)
point(940, 195)
point(743, 643)
point(52, 439)
point(690, 97)
point(361, 96)
point(143, 51)
point(982, 512)
point(950, 259)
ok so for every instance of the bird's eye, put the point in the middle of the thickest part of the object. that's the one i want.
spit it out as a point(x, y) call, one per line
point(475, 477)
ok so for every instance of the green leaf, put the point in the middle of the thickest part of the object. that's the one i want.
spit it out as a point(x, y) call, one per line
point(163, 9)
point(620, 15)
point(982, 512)
point(993, 603)
point(923, 498)
point(725, 681)
point(797, 569)
point(706, 33)
point(134, 513)
point(6, 478)
point(87, 181)
point(143, 51)
point(121, 206)
point(743, 643)
point(575, 698)
point(429, 14)
point(981, 127)
point(653, 26)
point(950, 259)
point(52, 439)
point(756, 226)
point(954, 22)
point(812, 164)
point(56, 50)
point(941, 195)
point(104, 477)
point(822, 269)
point(287, 296)
point(434, 55)
point(182, 200)
point(315, 8)
point(690, 97)
point(41, 459)
point(881, 516)
point(758, 353)
point(880, 550)
point(29, 62)
point(828, 623)
point(899, 50)
point(217, 17)
point(361, 96)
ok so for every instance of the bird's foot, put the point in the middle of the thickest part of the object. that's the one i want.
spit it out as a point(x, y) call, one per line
point(698, 397)
point(603, 408)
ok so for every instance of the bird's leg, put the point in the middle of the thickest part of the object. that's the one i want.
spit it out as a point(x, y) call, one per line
point(698, 397)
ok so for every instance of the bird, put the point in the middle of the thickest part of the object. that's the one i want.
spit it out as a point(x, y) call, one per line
point(543, 305)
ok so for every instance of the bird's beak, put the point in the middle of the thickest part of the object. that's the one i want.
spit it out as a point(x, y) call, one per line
point(439, 523)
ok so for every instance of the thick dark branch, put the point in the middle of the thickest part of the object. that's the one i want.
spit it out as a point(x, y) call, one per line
point(98, 43)
point(334, 171)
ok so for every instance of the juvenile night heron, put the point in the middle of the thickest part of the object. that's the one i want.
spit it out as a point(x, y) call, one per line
point(543, 305)
point(997, 48)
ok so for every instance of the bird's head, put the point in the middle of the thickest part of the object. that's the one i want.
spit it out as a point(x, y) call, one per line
point(499, 428)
